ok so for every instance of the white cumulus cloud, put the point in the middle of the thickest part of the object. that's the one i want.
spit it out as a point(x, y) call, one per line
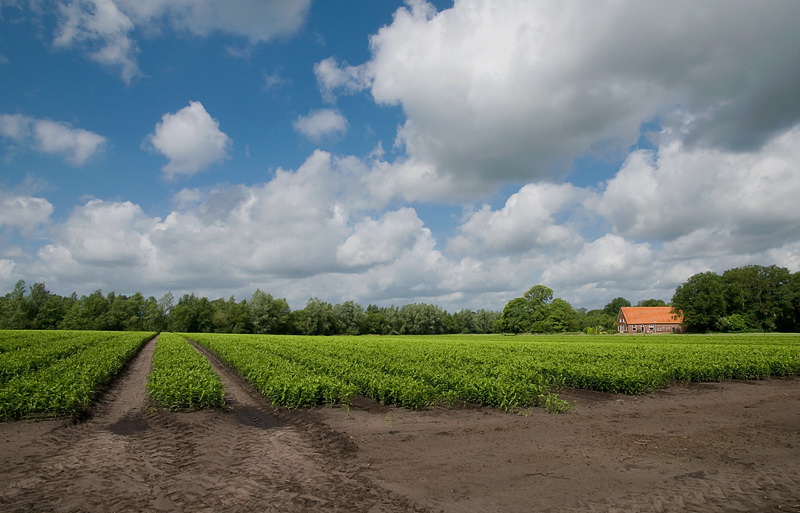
point(526, 222)
point(190, 139)
point(333, 77)
point(75, 145)
point(703, 200)
point(23, 212)
point(102, 233)
point(380, 240)
point(319, 124)
point(256, 20)
point(518, 89)
point(101, 29)
point(106, 30)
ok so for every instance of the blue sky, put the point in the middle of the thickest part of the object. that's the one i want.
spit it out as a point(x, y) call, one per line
point(396, 152)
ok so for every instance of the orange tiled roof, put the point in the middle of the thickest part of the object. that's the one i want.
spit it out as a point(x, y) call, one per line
point(650, 315)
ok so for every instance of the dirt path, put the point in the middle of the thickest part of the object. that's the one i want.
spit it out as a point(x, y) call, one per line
point(132, 457)
point(705, 448)
point(724, 447)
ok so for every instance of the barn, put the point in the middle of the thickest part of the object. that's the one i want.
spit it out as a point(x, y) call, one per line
point(649, 319)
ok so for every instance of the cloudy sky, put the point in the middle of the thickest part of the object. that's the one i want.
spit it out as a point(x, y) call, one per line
point(454, 153)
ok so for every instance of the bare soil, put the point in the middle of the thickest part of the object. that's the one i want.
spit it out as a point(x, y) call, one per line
point(722, 447)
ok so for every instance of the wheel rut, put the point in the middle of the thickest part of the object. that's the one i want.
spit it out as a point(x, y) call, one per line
point(131, 456)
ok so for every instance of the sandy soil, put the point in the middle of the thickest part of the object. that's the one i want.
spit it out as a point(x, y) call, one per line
point(722, 447)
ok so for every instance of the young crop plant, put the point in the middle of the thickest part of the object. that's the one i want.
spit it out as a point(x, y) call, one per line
point(284, 381)
point(511, 374)
point(70, 370)
point(182, 378)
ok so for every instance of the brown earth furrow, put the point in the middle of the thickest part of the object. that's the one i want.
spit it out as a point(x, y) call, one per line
point(131, 456)
point(721, 447)
point(306, 462)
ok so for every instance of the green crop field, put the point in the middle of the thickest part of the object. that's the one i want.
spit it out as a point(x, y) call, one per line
point(182, 378)
point(506, 372)
point(58, 373)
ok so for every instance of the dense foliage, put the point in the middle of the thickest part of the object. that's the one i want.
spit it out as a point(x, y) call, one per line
point(59, 373)
point(409, 372)
point(49, 374)
point(181, 377)
point(752, 298)
point(744, 299)
point(417, 372)
point(38, 308)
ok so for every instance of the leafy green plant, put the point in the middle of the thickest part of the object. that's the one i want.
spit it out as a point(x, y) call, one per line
point(182, 378)
point(54, 374)
point(418, 372)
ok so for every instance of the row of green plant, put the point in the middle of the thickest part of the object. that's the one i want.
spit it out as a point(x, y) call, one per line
point(49, 374)
point(181, 377)
point(506, 372)
point(65, 373)
point(22, 352)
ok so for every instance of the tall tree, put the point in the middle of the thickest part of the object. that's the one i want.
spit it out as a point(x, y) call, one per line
point(192, 314)
point(423, 319)
point(527, 313)
point(754, 292)
point(652, 302)
point(789, 316)
point(612, 308)
point(483, 321)
point(561, 317)
point(349, 318)
point(267, 314)
point(702, 301)
point(316, 318)
point(14, 316)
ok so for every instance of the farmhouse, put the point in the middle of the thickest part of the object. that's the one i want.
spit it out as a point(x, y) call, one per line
point(650, 319)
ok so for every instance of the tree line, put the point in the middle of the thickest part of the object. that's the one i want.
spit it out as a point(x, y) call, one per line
point(751, 298)
point(37, 308)
point(538, 312)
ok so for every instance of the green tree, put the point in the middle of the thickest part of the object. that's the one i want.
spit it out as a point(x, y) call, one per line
point(87, 313)
point(192, 314)
point(527, 313)
point(423, 319)
point(515, 317)
point(652, 302)
point(42, 310)
point(598, 321)
point(375, 321)
point(154, 318)
point(733, 323)
point(230, 316)
point(316, 318)
point(483, 321)
point(267, 314)
point(349, 318)
point(612, 308)
point(463, 321)
point(14, 316)
point(561, 317)
point(788, 319)
point(755, 292)
point(702, 301)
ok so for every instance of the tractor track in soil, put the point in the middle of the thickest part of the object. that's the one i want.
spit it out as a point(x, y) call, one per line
point(131, 456)
point(704, 448)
